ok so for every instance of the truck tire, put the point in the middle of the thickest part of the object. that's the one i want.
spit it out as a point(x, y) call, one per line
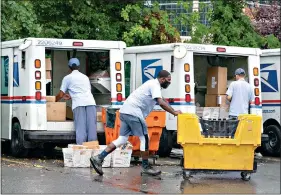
point(17, 148)
point(273, 146)
point(165, 145)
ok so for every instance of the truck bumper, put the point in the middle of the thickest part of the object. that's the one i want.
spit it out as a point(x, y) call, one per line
point(264, 138)
point(50, 136)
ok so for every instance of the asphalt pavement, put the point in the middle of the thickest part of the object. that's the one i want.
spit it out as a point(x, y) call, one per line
point(39, 174)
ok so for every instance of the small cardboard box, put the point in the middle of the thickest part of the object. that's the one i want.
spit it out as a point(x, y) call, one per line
point(121, 158)
point(48, 74)
point(92, 145)
point(99, 117)
point(215, 101)
point(69, 113)
point(216, 80)
point(211, 112)
point(107, 160)
point(56, 111)
point(48, 63)
point(224, 112)
point(51, 98)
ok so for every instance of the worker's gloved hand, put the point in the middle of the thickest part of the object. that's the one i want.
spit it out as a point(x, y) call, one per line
point(66, 97)
point(177, 113)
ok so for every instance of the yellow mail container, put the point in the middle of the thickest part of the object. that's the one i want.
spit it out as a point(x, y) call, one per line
point(219, 153)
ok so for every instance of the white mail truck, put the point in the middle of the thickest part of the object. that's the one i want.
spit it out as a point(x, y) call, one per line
point(270, 87)
point(188, 65)
point(25, 83)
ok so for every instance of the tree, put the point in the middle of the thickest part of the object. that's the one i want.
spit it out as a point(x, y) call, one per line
point(18, 20)
point(266, 20)
point(148, 26)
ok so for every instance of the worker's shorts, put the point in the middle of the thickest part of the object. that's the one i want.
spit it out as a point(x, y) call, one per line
point(132, 125)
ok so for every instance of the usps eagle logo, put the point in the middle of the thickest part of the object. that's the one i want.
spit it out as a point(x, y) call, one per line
point(269, 78)
point(150, 69)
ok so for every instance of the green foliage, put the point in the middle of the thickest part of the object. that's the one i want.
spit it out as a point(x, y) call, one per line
point(18, 20)
point(148, 26)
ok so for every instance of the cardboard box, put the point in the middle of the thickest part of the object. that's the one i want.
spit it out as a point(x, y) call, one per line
point(67, 157)
point(99, 117)
point(215, 101)
point(69, 113)
point(51, 98)
point(48, 74)
point(56, 111)
point(48, 63)
point(92, 145)
point(216, 80)
point(211, 112)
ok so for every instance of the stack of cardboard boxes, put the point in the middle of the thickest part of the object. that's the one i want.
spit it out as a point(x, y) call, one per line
point(215, 100)
point(79, 155)
point(48, 68)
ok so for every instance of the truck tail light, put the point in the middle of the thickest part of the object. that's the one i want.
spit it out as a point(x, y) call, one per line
point(118, 66)
point(221, 49)
point(37, 75)
point(119, 97)
point(186, 67)
point(77, 44)
point(118, 77)
point(38, 95)
point(38, 85)
point(257, 92)
point(187, 88)
point(187, 98)
point(37, 63)
point(257, 101)
point(256, 71)
point(118, 87)
point(256, 82)
point(187, 78)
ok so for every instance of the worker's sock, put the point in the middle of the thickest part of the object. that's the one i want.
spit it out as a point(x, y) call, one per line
point(103, 154)
point(144, 163)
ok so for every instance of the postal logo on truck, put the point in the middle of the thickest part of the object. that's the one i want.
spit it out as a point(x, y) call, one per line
point(150, 69)
point(269, 78)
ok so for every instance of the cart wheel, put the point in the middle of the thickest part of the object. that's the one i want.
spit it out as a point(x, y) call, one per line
point(186, 174)
point(246, 176)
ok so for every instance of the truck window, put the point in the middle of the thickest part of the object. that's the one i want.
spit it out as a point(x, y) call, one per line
point(4, 75)
point(127, 78)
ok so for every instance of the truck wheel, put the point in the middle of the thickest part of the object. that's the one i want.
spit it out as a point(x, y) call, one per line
point(17, 148)
point(272, 147)
point(165, 145)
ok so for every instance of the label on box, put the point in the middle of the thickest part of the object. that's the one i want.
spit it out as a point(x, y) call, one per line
point(214, 83)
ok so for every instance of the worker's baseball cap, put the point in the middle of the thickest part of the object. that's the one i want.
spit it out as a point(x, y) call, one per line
point(240, 71)
point(73, 62)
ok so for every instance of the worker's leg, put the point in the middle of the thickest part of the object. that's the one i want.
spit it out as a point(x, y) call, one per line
point(234, 124)
point(96, 161)
point(144, 148)
point(91, 123)
point(80, 124)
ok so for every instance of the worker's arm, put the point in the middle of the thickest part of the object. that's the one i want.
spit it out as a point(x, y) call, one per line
point(229, 92)
point(63, 89)
point(165, 105)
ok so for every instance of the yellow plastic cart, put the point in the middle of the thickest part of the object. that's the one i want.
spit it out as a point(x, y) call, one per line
point(205, 153)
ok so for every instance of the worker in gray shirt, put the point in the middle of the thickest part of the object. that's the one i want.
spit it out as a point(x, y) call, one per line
point(240, 94)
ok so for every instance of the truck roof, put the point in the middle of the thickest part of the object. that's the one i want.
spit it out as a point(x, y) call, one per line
point(270, 52)
point(66, 43)
point(200, 48)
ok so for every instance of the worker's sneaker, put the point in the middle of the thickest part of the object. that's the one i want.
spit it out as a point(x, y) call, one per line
point(97, 164)
point(149, 170)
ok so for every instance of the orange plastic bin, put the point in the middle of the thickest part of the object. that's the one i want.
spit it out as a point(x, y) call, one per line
point(155, 122)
